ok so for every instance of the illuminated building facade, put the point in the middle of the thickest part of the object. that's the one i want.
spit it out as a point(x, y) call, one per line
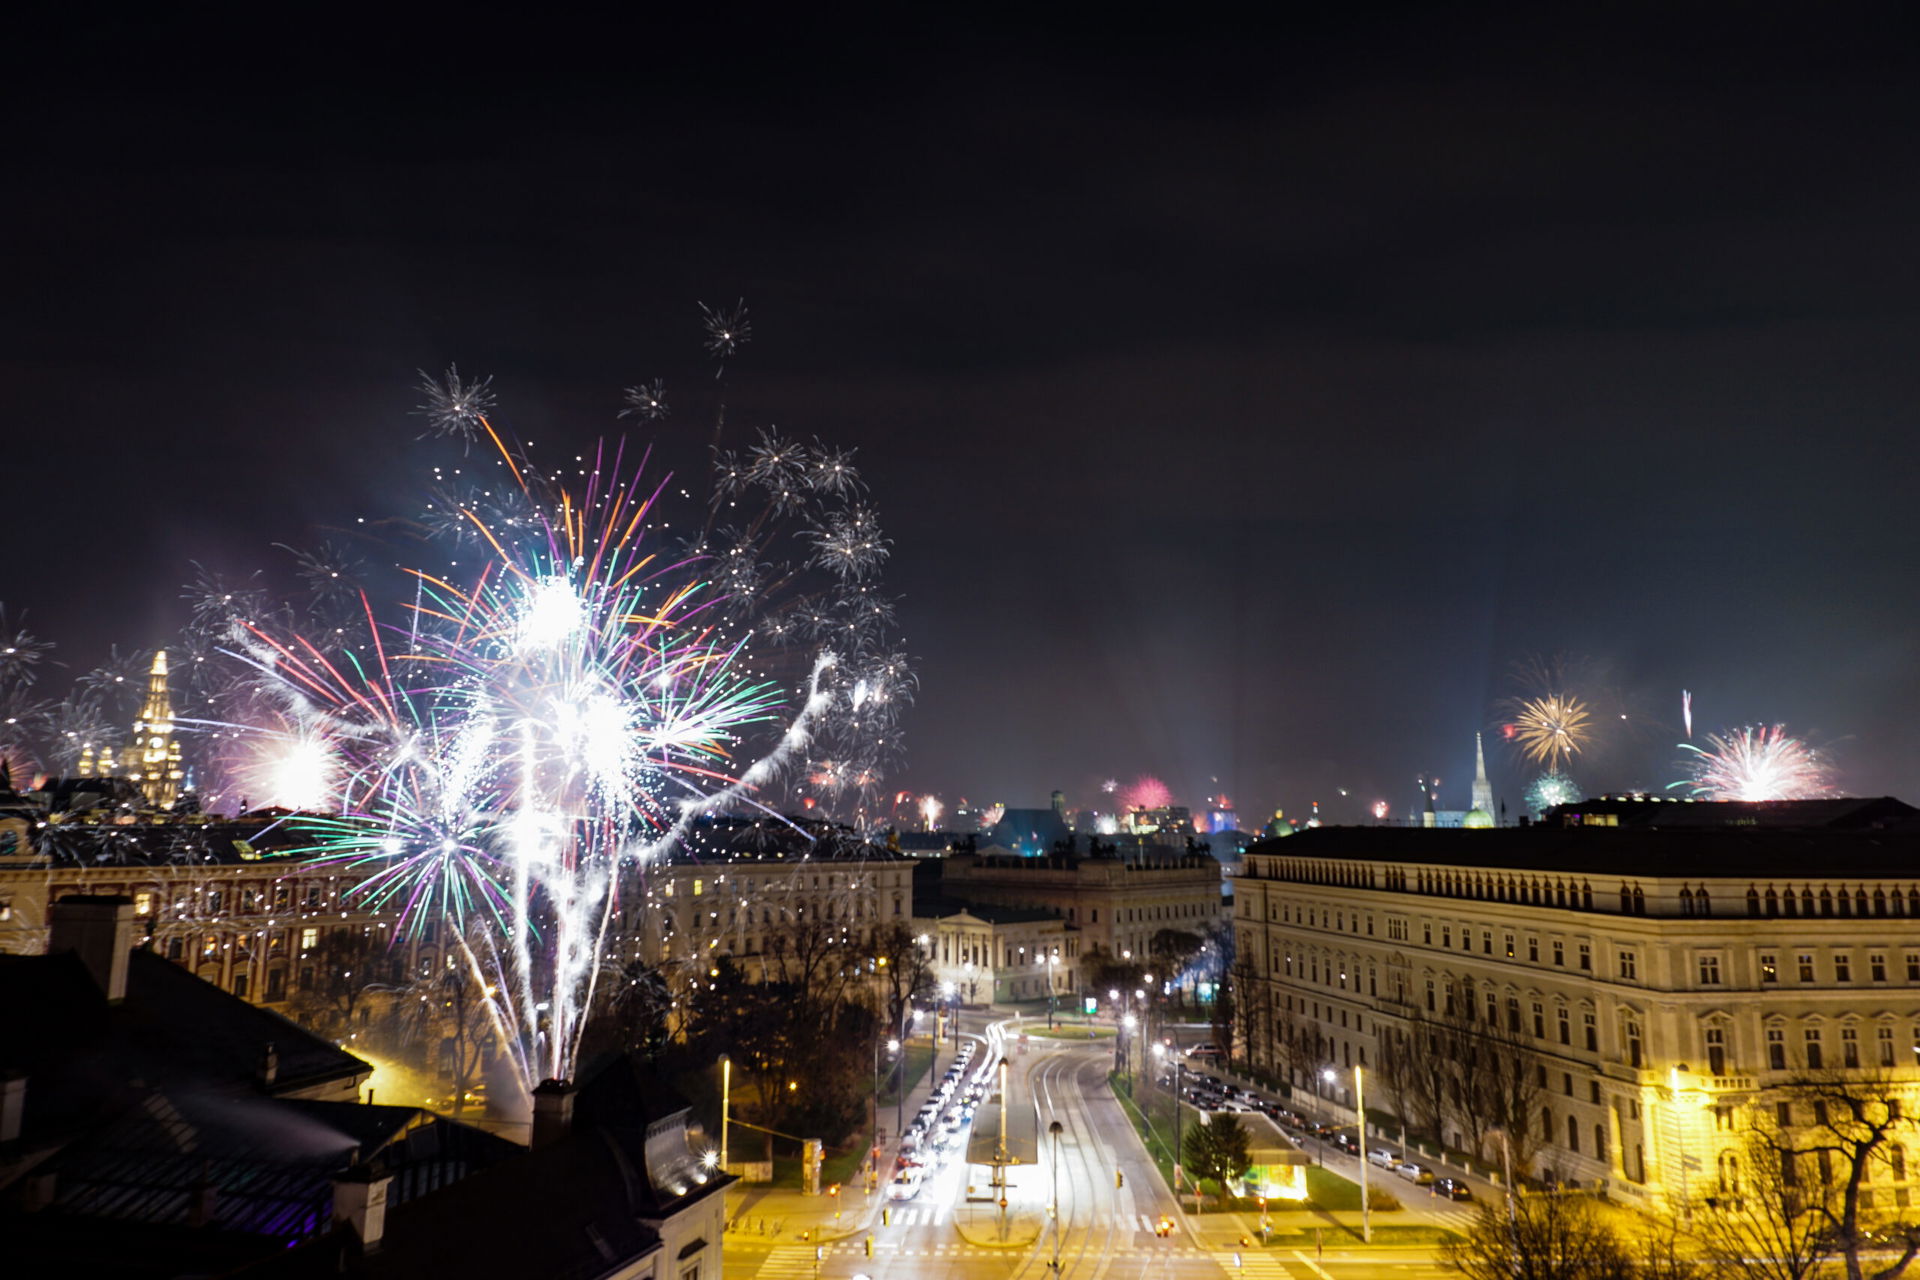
point(1662, 980)
point(151, 758)
point(1115, 903)
point(1000, 953)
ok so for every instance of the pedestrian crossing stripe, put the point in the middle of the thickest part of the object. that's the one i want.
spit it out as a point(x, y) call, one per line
point(1251, 1263)
point(787, 1262)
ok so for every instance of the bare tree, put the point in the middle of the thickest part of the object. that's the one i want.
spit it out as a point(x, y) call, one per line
point(1552, 1237)
point(1766, 1223)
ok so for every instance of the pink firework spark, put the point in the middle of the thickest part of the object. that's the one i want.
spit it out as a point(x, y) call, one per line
point(1147, 792)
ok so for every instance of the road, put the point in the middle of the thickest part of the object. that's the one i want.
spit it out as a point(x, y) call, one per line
point(1104, 1231)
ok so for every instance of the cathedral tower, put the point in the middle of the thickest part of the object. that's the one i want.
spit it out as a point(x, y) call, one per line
point(1482, 789)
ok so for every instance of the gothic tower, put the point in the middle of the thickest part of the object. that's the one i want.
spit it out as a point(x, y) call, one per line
point(152, 759)
point(1482, 789)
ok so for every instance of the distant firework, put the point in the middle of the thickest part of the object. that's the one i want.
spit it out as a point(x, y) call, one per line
point(1550, 730)
point(1147, 792)
point(1758, 762)
point(1380, 810)
point(930, 811)
point(1550, 789)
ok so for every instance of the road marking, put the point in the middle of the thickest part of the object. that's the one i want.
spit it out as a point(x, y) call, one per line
point(1312, 1266)
point(787, 1262)
point(1252, 1263)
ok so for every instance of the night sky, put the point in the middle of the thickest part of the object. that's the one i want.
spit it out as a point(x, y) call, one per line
point(1242, 403)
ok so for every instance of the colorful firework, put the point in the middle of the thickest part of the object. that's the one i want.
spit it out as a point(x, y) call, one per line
point(1550, 789)
point(1147, 792)
point(1757, 762)
point(564, 712)
point(1686, 710)
point(1550, 730)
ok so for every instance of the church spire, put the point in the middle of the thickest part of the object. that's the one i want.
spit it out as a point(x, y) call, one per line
point(152, 759)
point(1482, 789)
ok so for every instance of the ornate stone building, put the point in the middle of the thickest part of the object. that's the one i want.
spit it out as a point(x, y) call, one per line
point(1659, 980)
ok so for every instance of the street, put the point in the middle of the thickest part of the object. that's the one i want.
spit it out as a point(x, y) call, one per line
point(1104, 1231)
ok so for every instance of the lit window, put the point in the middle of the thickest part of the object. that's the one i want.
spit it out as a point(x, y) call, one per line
point(309, 939)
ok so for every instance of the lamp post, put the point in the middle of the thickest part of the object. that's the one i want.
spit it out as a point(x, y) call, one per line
point(1360, 1114)
point(1506, 1183)
point(900, 1090)
point(1053, 1131)
point(726, 1101)
point(1053, 954)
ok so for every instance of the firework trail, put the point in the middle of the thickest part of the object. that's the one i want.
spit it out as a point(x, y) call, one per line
point(527, 730)
point(1686, 710)
point(1757, 762)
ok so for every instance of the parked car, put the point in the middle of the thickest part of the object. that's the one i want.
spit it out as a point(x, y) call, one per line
point(1417, 1174)
point(1383, 1157)
point(1344, 1141)
point(1452, 1189)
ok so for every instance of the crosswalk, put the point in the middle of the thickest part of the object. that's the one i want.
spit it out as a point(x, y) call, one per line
point(918, 1215)
point(1251, 1264)
point(788, 1262)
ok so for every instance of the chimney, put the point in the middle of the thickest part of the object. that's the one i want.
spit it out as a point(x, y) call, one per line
point(552, 1112)
point(98, 929)
point(13, 1105)
point(360, 1201)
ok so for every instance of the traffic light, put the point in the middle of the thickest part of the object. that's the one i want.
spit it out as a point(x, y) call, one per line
point(1119, 1178)
point(869, 1246)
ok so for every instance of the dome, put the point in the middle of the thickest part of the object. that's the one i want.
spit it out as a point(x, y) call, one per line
point(1477, 819)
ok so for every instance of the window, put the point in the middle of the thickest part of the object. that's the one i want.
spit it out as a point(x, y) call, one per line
point(276, 985)
point(1804, 962)
point(1769, 967)
point(1559, 952)
point(1509, 942)
point(1716, 1051)
point(1884, 1036)
point(175, 948)
point(143, 903)
point(1533, 950)
point(1426, 931)
point(1446, 935)
point(1566, 1027)
point(1843, 968)
point(309, 939)
point(1709, 971)
point(1777, 1051)
point(1486, 942)
point(1592, 1032)
point(1539, 1022)
point(1586, 956)
point(1813, 1049)
point(240, 985)
point(1849, 1047)
point(1877, 967)
point(1913, 966)
point(1629, 969)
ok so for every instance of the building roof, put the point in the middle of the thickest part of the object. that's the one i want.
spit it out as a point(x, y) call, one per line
point(947, 908)
point(1840, 813)
point(773, 838)
point(579, 1207)
point(1738, 853)
point(172, 1031)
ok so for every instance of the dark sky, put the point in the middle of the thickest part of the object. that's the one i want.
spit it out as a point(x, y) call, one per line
point(1242, 403)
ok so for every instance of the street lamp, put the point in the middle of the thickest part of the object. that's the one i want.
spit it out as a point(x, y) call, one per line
point(1053, 955)
point(1360, 1114)
point(726, 1101)
point(900, 1091)
point(1054, 1131)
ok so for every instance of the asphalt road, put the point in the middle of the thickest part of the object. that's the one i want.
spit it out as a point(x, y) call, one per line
point(1103, 1231)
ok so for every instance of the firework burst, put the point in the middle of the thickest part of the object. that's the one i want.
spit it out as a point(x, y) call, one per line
point(453, 407)
point(530, 728)
point(1550, 789)
point(1757, 762)
point(1550, 730)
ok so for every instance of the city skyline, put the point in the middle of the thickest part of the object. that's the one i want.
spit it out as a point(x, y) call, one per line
point(1237, 413)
